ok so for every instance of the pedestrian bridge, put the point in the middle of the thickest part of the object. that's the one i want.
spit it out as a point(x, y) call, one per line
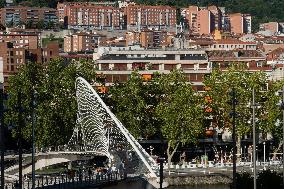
point(97, 133)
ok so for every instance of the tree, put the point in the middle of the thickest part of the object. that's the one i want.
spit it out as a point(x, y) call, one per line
point(29, 24)
point(56, 105)
point(274, 116)
point(40, 24)
point(179, 111)
point(131, 102)
point(242, 81)
point(2, 3)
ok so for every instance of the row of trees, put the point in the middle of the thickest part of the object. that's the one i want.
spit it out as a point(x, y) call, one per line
point(166, 106)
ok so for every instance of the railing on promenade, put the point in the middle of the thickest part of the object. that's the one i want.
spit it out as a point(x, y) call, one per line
point(67, 182)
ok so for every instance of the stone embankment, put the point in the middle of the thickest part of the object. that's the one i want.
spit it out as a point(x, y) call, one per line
point(179, 180)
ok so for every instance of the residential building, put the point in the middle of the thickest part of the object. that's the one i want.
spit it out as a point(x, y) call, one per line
point(240, 23)
point(203, 20)
point(232, 44)
point(18, 15)
point(274, 27)
point(132, 38)
point(118, 63)
point(141, 16)
point(89, 15)
point(148, 38)
point(14, 56)
point(217, 16)
point(24, 40)
point(81, 41)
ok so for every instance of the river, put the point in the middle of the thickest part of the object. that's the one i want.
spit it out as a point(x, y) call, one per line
point(140, 184)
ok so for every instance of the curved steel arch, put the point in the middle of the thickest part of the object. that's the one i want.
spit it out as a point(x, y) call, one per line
point(99, 130)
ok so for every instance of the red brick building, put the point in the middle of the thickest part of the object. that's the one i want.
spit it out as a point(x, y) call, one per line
point(18, 15)
point(30, 41)
point(240, 23)
point(202, 21)
point(89, 15)
point(141, 16)
point(14, 57)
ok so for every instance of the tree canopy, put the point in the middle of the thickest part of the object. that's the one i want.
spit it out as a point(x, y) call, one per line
point(56, 107)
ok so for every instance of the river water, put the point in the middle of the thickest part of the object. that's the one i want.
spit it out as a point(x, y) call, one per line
point(141, 184)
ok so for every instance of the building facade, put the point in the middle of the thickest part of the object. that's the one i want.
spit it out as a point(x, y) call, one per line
point(14, 56)
point(30, 41)
point(80, 42)
point(118, 63)
point(19, 15)
point(89, 15)
point(240, 23)
point(203, 20)
point(141, 16)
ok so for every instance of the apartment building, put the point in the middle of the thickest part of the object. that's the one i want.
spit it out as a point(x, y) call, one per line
point(118, 63)
point(141, 16)
point(62, 7)
point(16, 15)
point(24, 40)
point(81, 41)
point(89, 15)
point(274, 27)
point(217, 16)
point(203, 20)
point(232, 44)
point(148, 38)
point(240, 23)
point(14, 56)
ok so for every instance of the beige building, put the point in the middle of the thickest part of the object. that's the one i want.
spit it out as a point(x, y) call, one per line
point(274, 27)
point(80, 42)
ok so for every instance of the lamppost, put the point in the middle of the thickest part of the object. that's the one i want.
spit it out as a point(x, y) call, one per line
point(20, 124)
point(234, 103)
point(161, 161)
point(264, 154)
point(254, 105)
point(283, 135)
point(33, 138)
point(2, 135)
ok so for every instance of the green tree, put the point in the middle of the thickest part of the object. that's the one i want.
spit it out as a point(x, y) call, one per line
point(179, 111)
point(133, 106)
point(2, 3)
point(29, 24)
point(40, 24)
point(242, 82)
point(56, 106)
point(274, 116)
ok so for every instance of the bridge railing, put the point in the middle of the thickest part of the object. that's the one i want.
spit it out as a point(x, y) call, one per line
point(65, 181)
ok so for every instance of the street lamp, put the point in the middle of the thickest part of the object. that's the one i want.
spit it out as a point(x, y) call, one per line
point(254, 106)
point(264, 154)
point(33, 139)
point(2, 135)
point(234, 103)
point(161, 161)
point(20, 125)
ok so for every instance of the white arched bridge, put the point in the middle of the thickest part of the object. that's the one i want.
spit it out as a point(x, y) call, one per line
point(97, 133)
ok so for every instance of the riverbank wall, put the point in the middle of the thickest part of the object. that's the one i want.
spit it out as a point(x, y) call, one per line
point(206, 179)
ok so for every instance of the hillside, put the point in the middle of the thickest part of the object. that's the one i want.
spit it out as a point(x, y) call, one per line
point(261, 10)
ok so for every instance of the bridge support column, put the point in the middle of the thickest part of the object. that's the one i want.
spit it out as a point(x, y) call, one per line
point(69, 165)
